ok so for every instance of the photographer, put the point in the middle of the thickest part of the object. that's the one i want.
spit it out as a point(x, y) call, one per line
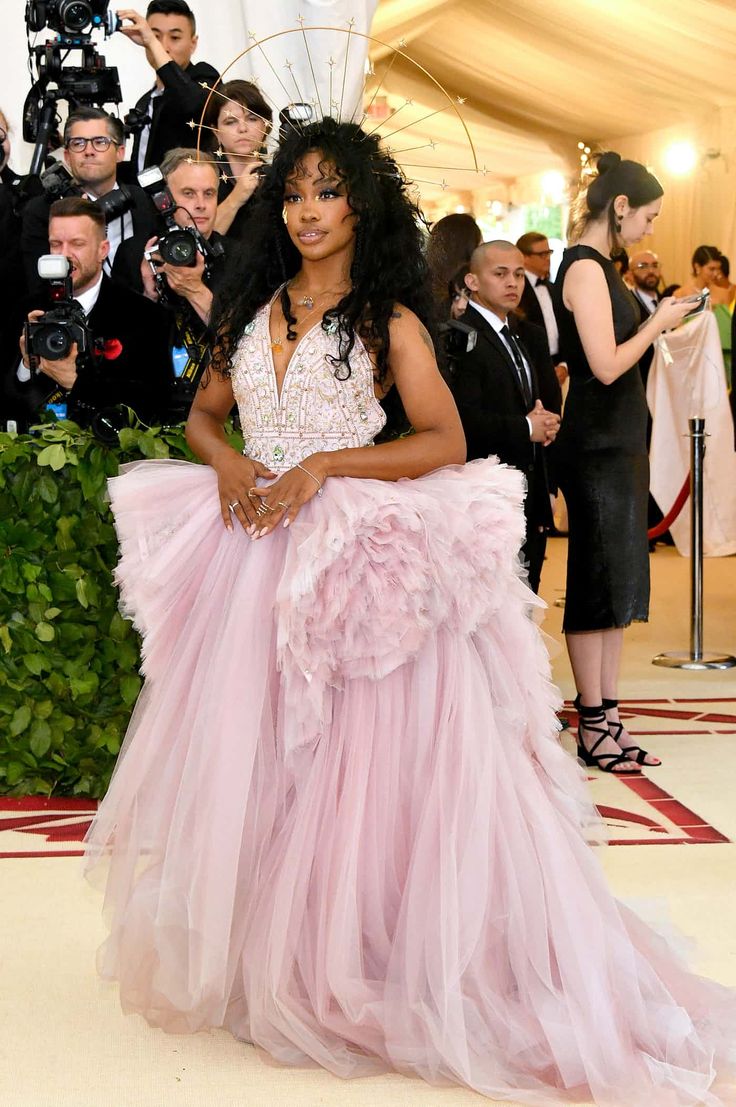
point(94, 146)
point(126, 359)
point(186, 290)
point(168, 34)
point(12, 279)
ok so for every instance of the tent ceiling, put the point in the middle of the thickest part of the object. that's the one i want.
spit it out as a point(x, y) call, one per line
point(540, 75)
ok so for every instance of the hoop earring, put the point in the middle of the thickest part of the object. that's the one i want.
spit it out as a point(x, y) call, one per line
point(284, 216)
point(617, 226)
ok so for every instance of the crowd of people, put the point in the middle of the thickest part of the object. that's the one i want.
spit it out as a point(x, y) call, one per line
point(342, 825)
point(91, 208)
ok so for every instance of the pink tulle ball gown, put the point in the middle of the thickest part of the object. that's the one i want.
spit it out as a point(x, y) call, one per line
point(342, 825)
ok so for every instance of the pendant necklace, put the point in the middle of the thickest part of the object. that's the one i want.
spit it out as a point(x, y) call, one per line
point(277, 343)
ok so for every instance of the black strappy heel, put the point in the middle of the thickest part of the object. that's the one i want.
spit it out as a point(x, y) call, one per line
point(594, 719)
point(616, 730)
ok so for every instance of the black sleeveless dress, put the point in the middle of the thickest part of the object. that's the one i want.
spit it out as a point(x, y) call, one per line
point(603, 469)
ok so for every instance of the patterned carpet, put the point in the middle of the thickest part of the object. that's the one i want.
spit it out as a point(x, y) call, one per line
point(636, 810)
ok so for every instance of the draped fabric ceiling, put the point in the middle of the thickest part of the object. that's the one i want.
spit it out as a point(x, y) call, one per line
point(541, 75)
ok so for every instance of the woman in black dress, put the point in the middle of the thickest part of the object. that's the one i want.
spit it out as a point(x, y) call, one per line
point(601, 448)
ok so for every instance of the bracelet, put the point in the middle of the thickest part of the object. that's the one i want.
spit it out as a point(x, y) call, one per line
point(315, 479)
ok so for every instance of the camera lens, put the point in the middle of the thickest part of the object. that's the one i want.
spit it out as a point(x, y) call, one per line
point(75, 15)
point(179, 248)
point(53, 343)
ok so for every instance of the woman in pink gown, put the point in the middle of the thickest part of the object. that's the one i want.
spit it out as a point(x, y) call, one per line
point(342, 825)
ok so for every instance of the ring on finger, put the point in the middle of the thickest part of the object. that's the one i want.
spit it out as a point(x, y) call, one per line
point(280, 503)
point(234, 504)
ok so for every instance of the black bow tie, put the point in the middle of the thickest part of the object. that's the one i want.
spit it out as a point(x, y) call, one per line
point(543, 281)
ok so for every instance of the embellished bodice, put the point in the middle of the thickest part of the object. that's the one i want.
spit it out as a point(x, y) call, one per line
point(315, 410)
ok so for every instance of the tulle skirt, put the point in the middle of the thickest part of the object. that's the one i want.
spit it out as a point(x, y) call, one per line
point(342, 825)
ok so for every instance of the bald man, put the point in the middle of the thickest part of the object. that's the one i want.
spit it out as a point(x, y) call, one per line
point(506, 389)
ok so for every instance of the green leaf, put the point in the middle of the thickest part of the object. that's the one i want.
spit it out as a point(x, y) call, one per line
point(82, 596)
point(5, 639)
point(40, 742)
point(130, 686)
point(34, 662)
point(52, 612)
point(84, 685)
point(45, 632)
point(53, 456)
point(43, 709)
point(20, 720)
point(47, 489)
point(15, 773)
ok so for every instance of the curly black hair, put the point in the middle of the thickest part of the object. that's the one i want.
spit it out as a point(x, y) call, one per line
point(388, 266)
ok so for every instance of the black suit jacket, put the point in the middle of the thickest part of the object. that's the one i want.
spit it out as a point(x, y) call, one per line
point(182, 100)
point(493, 409)
point(140, 376)
point(35, 231)
point(531, 309)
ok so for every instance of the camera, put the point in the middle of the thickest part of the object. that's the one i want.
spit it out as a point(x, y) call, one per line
point(115, 203)
point(71, 16)
point(90, 83)
point(53, 335)
point(294, 117)
point(177, 245)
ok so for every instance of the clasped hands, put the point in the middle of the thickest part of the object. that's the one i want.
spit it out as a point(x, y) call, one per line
point(260, 509)
point(545, 424)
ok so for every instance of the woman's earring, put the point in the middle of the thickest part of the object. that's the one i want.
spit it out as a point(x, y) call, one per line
point(617, 222)
point(284, 216)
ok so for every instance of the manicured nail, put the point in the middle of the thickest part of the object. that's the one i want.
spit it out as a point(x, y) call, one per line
point(261, 533)
point(251, 530)
point(286, 522)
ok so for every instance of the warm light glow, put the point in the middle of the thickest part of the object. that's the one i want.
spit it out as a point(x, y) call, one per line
point(680, 158)
point(460, 209)
point(497, 208)
point(553, 186)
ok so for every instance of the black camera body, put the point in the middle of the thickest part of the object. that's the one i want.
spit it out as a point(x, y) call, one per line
point(70, 17)
point(53, 335)
point(176, 245)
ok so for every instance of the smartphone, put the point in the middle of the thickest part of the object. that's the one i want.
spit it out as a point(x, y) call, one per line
point(699, 302)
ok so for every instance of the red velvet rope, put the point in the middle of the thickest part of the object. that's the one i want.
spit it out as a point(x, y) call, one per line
point(673, 512)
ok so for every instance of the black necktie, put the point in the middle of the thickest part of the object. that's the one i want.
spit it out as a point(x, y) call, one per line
point(519, 363)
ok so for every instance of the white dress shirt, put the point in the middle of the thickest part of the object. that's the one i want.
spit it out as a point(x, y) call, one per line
point(548, 312)
point(650, 302)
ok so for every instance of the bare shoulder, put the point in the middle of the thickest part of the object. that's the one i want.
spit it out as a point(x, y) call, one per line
point(405, 327)
point(584, 278)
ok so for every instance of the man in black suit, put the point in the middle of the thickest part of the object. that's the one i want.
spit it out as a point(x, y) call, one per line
point(645, 271)
point(129, 364)
point(186, 291)
point(506, 389)
point(536, 302)
point(168, 34)
point(94, 146)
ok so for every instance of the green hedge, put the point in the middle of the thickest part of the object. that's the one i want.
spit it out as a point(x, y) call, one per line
point(68, 660)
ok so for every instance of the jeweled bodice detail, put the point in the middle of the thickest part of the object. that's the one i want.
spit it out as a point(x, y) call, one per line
point(315, 411)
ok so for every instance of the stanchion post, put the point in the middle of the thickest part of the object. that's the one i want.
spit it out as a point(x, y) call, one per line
point(696, 658)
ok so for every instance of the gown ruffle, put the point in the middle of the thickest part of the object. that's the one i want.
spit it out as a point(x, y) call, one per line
point(342, 825)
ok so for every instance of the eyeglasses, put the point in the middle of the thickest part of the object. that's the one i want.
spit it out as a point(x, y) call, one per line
point(99, 143)
point(647, 265)
point(540, 253)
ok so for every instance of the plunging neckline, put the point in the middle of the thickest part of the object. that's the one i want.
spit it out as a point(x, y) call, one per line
point(280, 391)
